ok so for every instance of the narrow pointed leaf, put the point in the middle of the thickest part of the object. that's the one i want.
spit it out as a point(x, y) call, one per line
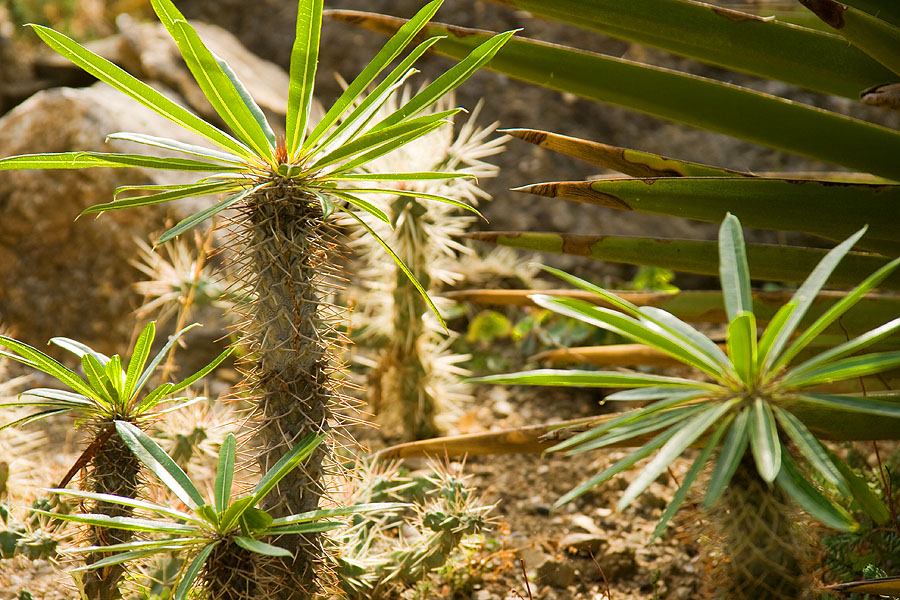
point(688, 480)
point(54, 395)
point(847, 348)
point(742, 347)
point(449, 80)
point(403, 267)
point(650, 393)
point(192, 572)
point(835, 312)
point(199, 217)
point(793, 482)
point(96, 376)
point(202, 372)
point(419, 196)
point(806, 294)
point(364, 205)
point(304, 56)
point(158, 198)
point(123, 523)
point(139, 355)
point(160, 356)
point(87, 160)
point(260, 547)
point(388, 53)
point(575, 378)
point(162, 465)
point(871, 504)
point(859, 404)
point(285, 465)
point(622, 160)
point(132, 502)
point(224, 473)
point(772, 332)
point(845, 368)
point(764, 442)
point(109, 73)
point(686, 434)
point(178, 146)
point(811, 448)
point(638, 428)
point(79, 349)
point(733, 268)
point(623, 464)
point(326, 513)
point(730, 457)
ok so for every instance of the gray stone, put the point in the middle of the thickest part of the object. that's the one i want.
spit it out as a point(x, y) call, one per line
point(59, 276)
point(584, 544)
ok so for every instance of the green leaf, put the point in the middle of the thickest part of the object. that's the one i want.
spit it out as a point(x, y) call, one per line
point(260, 547)
point(772, 332)
point(810, 447)
point(250, 103)
point(79, 349)
point(215, 84)
point(96, 376)
point(871, 504)
point(326, 513)
point(304, 56)
point(650, 393)
point(815, 207)
point(616, 468)
point(139, 355)
point(449, 80)
point(696, 101)
point(55, 396)
point(363, 205)
point(733, 268)
point(420, 176)
point(154, 397)
point(792, 481)
point(124, 523)
point(742, 348)
point(373, 139)
point(575, 378)
point(853, 404)
point(37, 359)
point(109, 73)
point(148, 200)
point(764, 442)
point(687, 433)
point(36, 417)
point(419, 196)
point(768, 262)
point(834, 313)
point(234, 511)
point(402, 266)
point(688, 480)
point(728, 38)
point(160, 356)
point(306, 528)
point(806, 294)
point(660, 339)
point(255, 520)
point(846, 368)
point(847, 348)
point(730, 457)
point(162, 465)
point(640, 427)
point(203, 215)
point(388, 53)
point(176, 146)
point(87, 160)
point(123, 557)
point(131, 502)
point(192, 572)
point(202, 372)
point(224, 473)
point(285, 465)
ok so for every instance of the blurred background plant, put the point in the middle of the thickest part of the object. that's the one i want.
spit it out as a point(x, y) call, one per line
point(416, 380)
point(754, 408)
point(379, 555)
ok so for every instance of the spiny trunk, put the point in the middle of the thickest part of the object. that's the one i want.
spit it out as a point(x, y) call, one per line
point(113, 470)
point(400, 391)
point(287, 246)
point(763, 545)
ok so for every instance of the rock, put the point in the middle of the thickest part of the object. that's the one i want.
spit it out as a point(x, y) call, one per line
point(558, 573)
point(147, 51)
point(584, 543)
point(620, 564)
point(58, 276)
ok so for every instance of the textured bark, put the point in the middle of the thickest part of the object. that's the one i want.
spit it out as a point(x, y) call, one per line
point(112, 470)
point(288, 329)
point(764, 549)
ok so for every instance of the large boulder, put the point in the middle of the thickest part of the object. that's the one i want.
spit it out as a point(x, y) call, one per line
point(59, 276)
